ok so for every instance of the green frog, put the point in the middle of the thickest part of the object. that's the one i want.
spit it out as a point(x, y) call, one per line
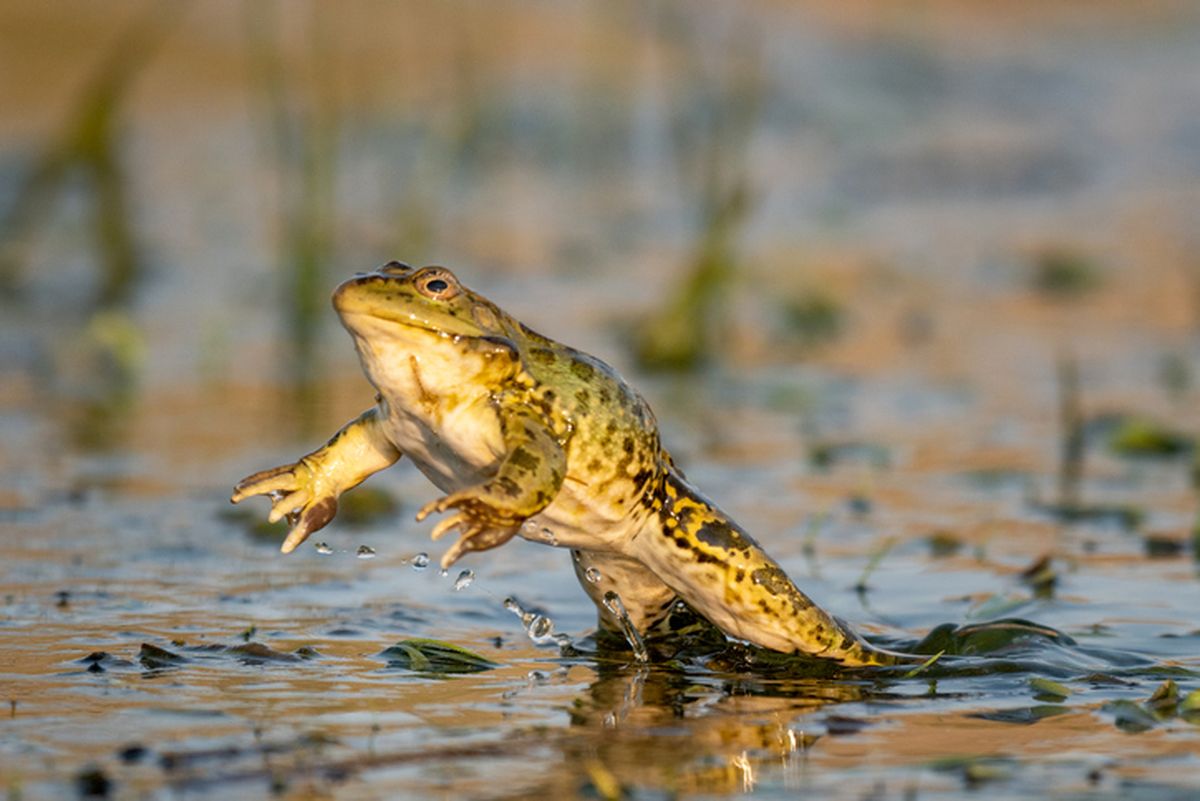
point(528, 437)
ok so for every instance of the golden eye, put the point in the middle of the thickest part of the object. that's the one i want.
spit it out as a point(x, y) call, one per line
point(436, 283)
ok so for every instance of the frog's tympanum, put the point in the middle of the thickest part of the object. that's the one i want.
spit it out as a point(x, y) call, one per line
point(532, 438)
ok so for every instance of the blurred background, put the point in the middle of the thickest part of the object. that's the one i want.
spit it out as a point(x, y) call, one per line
point(911, 285)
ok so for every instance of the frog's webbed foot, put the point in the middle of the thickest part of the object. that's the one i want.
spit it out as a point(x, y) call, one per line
point(481, 524)
point(306, 491)
point(298, 494)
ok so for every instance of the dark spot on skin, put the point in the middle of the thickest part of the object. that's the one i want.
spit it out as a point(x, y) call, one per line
point(763, 605)
point(627, 445)
point(611, 428)
point(740, 576)
point(684, 516)
point(582, 370)
point(706, 559)
point(508, 486)
point(524, 460)
point(542, 355)
point(773, 580)
point(682, 542)
point(605, 396)
point(641, 479)
point(720, 534)
point(594, 466)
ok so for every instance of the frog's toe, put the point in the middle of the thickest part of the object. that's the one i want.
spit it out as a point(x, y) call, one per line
point(313, 517)
point(456, 520)
point(284, 504)
point(476, 538)
point(264, 482)
point(433, 507)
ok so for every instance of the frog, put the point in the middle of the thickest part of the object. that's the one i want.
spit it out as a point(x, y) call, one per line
point(527, 437)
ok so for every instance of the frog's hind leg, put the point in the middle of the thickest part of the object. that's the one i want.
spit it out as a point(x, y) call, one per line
point(644, 597)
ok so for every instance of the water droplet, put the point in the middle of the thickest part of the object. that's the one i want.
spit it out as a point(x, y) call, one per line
point(537, 677)
point(613, 603)
point(511, 605)
point(323, 548)
point(443, 572)
point(593, 575)
point(540, 627)
point(275, 495)
point(549, 537)
point(465, 579)
point(365, 552)
point(420, 561)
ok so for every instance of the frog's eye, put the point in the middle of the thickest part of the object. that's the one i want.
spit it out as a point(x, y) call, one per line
point(436, 283)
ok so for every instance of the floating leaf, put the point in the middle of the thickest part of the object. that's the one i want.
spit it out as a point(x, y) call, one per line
point(1045, 688)
point(983, 638)
point(1131, 717)
point(1165, 696)
point(154, 658)
point(435, 656)
point(1023, 715)
point(1189, 707)
point(255, 653)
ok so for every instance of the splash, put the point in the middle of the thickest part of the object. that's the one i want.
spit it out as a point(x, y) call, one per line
point(613, 603)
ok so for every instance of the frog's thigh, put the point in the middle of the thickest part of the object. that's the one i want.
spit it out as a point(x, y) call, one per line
point(645, 597)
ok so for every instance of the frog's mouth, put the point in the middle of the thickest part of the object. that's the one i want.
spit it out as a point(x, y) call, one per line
point(367, 298)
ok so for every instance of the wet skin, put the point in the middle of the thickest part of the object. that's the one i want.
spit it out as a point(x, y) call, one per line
point(531, 438)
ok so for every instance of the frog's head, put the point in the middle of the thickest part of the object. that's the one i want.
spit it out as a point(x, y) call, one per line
point(431, 298)
point(407, 320)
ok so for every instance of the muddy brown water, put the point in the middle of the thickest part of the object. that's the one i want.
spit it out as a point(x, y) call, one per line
point(915, 172)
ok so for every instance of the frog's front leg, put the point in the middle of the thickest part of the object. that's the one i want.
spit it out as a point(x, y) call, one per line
point(306, 491)
point(527, 480)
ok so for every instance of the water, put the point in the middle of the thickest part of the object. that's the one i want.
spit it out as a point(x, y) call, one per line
point(613, 603)
point(947, 215)
point(465, 579)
